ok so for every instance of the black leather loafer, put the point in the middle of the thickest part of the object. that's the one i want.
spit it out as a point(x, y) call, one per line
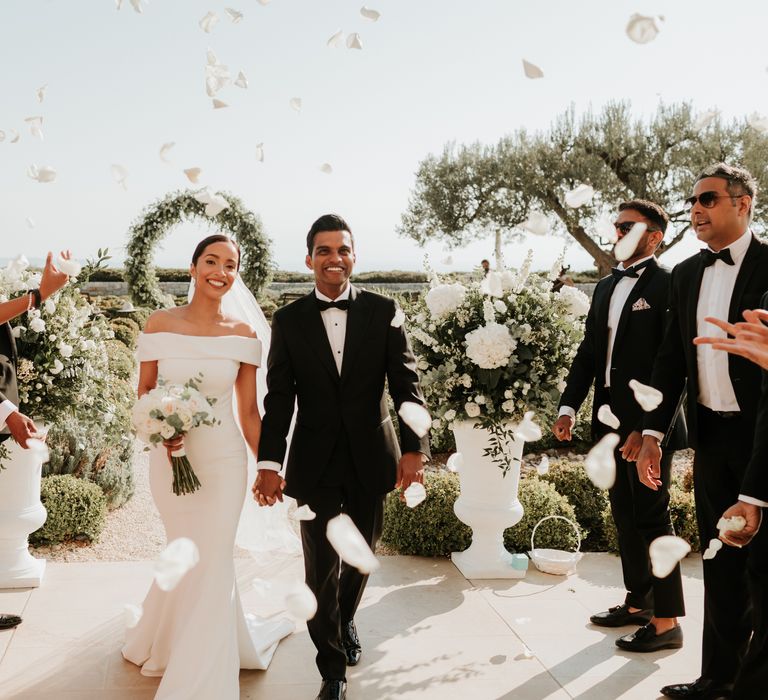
point(332, 690)
point(700, 689)
point(619, 616)
point(9, 621)
point(351, 643)
point(645, 639)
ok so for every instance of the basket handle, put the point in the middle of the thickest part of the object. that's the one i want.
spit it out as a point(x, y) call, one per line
point(557, 517)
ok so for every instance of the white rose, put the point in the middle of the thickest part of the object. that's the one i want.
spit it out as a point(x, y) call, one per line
point(65, 350)
point(49, 306)
point(423, 365)
point(167, 431)
point(561, 385)
point(480, 399)
point(472, 409)
point(57, 366)
point(52, 337)
point(508, 406)
point(450, 414)
point(16, 332)
point(37, 325)
point(500, 306)
point(436, 424)
point(168, 405)
point(466, 380)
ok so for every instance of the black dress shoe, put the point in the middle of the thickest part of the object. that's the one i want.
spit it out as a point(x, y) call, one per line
point(700, 689)
point(8, 621)
point(646, 639)
point(351, 643)
point(332, 690)
point(619, 615)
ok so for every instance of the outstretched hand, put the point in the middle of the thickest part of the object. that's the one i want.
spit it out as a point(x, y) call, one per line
point(410, 470)
point(750, 337)
point(53, 279)
point(22, 428)
point(268, 487)
point(562, 428)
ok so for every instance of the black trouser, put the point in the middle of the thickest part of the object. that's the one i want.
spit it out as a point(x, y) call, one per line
point(722, 453)
point(337, 586)
point(641, 515)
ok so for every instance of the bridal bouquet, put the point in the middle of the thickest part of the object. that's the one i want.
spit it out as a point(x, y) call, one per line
point(169, 411)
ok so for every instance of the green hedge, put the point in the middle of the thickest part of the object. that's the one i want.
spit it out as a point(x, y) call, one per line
point(77, 509)
point(126, 330)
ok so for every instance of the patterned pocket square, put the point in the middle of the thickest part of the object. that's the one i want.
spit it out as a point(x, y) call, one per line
point(640, 305)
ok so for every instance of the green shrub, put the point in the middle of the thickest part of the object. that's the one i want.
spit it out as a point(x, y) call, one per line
point(73, 446)
point(589, 502)
point(126, 330)
point(121, 359)
point(76, 509)
point(114, 475)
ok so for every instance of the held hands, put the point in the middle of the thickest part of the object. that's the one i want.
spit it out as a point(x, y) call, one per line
point(53, 280)
point(410, 470)
point(631, 448)
point(562, 428)
point(750, 337)
point(754, 517)
point(649, 463)
point(268, 487)
point(22, 428)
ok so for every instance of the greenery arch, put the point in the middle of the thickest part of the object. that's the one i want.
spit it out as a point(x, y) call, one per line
point(158, 218)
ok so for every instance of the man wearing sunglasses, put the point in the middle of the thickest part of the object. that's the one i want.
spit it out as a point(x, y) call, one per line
point(624, 329)
point(726, 277)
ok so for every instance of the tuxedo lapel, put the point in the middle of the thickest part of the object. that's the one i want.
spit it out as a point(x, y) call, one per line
point(317, 338)
point(634, 295)
point(748, 266)
point(602, 302)
point(358, 317)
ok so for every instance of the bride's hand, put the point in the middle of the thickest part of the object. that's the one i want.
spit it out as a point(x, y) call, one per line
point(173, 445)
point(268, 487)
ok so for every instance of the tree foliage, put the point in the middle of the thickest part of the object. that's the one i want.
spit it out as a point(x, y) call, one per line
point(470, 191)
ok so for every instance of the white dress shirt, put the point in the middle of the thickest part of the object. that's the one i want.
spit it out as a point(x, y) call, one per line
point(6, 408)
point(621, 291)
point(335, 322)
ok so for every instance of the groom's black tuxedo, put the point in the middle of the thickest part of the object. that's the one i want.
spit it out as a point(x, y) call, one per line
point(8, 387)
point(344, 450)
point(641, 515)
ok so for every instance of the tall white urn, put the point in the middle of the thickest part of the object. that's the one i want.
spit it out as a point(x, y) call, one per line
point(21, 513)
point(488, 503)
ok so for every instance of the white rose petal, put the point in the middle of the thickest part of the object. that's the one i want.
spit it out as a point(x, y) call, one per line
point(241, 81)
point(648, 397)
point(335, 41)
point(71, 268)
point(295, 104)
point(354, 41)
point(455, 462)
point(642, 29)
point(119, 174)
point(214, 203)
point(174, 562)
point(734, 524)
point(326, 168)
point(35, 126)
point(627, 245)
point(532, 71)
point(219, 104)
point(299, 601)
point(607, 417)
point(30, 222)
point(527, 430)
point(600, 463)
point(537, 223)
point(605, 229)
point(370, 14)
point(234, 15)
point(416, 417)
point(714, 547)
point(208, 22)
point(349, 544)
point(165, 149)
point(39, 449)
point(543, 466)
point(193, 174)
point(415, 494)
point(260, 152)
point(43, 173)
point(579, 196)
point(398, 319)
point(40, 93)
point(303, 513)
point(665, 553)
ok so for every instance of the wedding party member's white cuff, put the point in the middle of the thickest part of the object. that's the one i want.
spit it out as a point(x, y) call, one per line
point(567, 411)
point(6, 408)
point(654, 433)
point(753, 501)
point(271, 466)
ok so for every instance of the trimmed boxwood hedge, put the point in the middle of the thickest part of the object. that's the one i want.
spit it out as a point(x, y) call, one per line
point(77, 509)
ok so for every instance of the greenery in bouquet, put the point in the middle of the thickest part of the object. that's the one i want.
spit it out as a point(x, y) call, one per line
point(491, 351)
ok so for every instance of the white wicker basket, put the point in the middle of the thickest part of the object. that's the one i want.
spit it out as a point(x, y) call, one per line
point(556, 561)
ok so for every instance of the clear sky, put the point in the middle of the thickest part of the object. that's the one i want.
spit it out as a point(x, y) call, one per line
point(120, 84)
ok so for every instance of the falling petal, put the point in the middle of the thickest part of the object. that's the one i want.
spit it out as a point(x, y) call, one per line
point(527, 653)
point(455, 462)
point(30, 222)
point(648, 397)
point(415, 494)
point(326, 168)
point(714, 547)
point(164, 149)
point(300, 601)
point(219, 104)
point(264, 2)
point(606, 416)
point(704, 119)
point(665, 553)
point(39, 449)
point(241, 81)
point(35, 126)
point(216, 75)
point(605, 229)
point(527, 430)
point(137, 6)
point(210, 57)
point(354, 41)
point(260, 152)
point(758, 122)
point(234, 15)
point(627, 245)
point(532, 71)
point(193, 174)
point(209, 22)
point(642, 29)
point(295, 104)
point(2, 136)
point(120, 174)
point(174, 562)
point(16, 136)
point(349, 544)
point(119, 4)
point(537, 223)
point(416, 417)
point(71, 268)
point(40, 92)
point(131, 615)
point(214, 203)
point(493, 285)
point(44, 173)
point(543, 466)
point(734, 524)
point(600, 463)
point(303, 513)
point(370, 14)
point(398, 319)
point(335, 41)
point(579, 196)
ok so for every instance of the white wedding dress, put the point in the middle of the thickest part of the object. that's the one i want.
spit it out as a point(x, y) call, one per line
point(196, 636)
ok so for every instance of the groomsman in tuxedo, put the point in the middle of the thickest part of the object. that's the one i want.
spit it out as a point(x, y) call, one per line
point(726, 277)
point(624, 328)
point(331, 354)
point(13, 423)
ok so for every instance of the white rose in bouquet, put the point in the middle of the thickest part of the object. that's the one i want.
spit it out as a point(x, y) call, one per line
point(37, 325)
point(57, 366)
point(472, 409)
point(490, 346)
point(65, 350)
point(577, 301)
point(445, 299)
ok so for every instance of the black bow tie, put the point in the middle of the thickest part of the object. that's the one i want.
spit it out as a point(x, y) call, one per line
point(633, 271)
point(708, 257)
point(343, 304)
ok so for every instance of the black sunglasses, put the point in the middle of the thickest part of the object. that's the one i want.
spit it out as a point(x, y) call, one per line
point(709, 199)
point(626, 226)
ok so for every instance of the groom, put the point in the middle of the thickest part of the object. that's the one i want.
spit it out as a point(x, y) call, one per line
point(332, 352)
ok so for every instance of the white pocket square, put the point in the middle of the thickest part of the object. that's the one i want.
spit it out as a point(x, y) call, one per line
point(640, 305)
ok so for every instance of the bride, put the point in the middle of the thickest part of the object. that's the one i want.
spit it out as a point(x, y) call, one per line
point(196, 636)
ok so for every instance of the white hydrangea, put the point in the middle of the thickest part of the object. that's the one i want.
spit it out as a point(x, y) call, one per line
point(500, 306)
point(445, 299)
point(577, 301)
point(37, 325)
point(490, 346)
point(450, 414)
point(492, 284)
point(472, 409)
